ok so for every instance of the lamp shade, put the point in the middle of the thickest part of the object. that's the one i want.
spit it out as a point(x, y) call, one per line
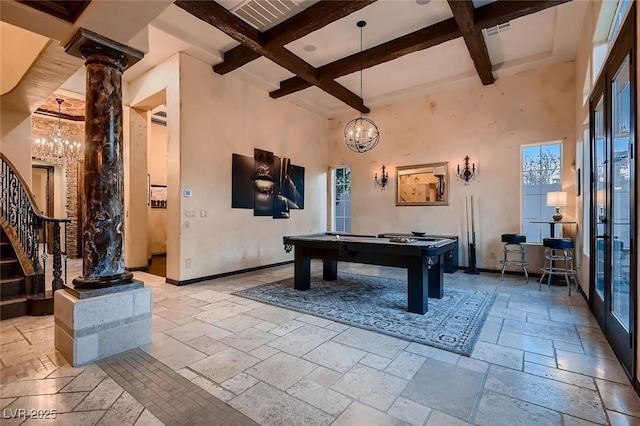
point(557, 199)
point(438, 171)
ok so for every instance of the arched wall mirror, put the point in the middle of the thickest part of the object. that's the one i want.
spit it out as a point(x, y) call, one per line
point(423, 185)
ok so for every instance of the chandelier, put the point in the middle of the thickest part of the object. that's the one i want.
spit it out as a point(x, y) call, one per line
point(361, 134)
point(57, 147)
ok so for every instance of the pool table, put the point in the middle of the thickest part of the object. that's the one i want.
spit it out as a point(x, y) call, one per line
point(423, 259)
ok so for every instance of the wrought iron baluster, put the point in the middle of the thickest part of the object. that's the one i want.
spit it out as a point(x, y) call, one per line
point(18, 209)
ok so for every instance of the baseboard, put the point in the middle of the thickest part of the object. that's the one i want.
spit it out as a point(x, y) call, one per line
point(137, 268)
point(225, 274)
point(499, 271)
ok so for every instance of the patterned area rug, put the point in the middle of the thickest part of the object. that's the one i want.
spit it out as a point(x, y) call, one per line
point(374, 303)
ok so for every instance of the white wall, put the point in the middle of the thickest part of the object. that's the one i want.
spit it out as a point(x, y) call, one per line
point(488, 123)
point(220, 116)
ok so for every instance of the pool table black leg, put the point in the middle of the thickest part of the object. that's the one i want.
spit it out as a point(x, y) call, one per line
point(436, 279)
point(417, 276)
point(301, 270)
point(329, 270)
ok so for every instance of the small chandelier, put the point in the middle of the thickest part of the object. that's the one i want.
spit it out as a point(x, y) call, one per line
point(361, 134)
point(57, 147)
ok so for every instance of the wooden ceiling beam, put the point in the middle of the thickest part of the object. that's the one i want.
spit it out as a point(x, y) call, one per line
point(418, 40)
point(216, 15)
point(67, 10)
point(486, 16)
point(61, 115)
point(309, 20)
point(235, 58)
point(472, 35)
point(502, 11)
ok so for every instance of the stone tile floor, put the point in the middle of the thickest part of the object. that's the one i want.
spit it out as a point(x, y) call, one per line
point(541, 359)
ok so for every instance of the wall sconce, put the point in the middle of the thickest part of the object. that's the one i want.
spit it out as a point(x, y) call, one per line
point(466, 173)
point(557, 199)
point(383, 179)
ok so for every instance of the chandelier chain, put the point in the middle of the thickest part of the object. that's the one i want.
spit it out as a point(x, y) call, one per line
point(361, 65)
point(361, 134)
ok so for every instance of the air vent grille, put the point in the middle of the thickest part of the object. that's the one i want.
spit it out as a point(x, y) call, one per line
point(500, 28)
point(264, 14)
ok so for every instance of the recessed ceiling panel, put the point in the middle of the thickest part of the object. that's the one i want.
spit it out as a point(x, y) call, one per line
point(386, 20)
point(268, 72)
point(437, 63)
point(526, 36)
point(181, 24)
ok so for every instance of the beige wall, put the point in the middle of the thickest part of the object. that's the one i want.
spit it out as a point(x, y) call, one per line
point(158, 85)
point(15, 140)
point(222, 115)
point(584, 79)
point(488, 123)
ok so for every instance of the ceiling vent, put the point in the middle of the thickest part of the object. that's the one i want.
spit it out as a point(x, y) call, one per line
point(500, 28)
point(264, 14)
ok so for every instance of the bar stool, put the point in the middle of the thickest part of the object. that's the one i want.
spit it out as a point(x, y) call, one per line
point(514, 253)
point(558, 250)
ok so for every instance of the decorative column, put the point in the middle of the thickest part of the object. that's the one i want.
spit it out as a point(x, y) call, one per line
point(103, 198)
point(106, 312)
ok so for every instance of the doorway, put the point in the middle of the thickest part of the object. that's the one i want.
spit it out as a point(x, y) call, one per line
point(341, 178)
point(612, 108)
point(157, 160)
point(42, 189)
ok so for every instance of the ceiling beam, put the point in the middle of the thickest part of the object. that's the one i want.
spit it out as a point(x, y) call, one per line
point(502, 11)
point(486, 16)
point(57, 114)
point(309, 20)
point(418, 40)
point(68, 10)
point(216, 15)
point(472, 35)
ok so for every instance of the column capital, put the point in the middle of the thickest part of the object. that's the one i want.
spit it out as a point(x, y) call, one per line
point(94, 48)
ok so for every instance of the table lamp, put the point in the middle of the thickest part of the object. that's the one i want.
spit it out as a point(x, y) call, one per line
point(557, 199)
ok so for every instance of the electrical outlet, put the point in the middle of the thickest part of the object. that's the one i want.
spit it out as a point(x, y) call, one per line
point(203, 213)
point(187, 262)
point(190, 213)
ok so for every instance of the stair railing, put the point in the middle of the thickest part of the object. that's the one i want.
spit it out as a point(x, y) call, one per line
point(18, 210)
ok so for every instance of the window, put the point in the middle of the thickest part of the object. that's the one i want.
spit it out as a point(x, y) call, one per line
point(342, 216)
point(541, 166)
point(618, 19)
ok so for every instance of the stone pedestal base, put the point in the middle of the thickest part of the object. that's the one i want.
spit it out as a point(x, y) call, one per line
point(94, 324)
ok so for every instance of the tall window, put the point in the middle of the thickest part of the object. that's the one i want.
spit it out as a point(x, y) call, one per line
point(342, 217)
point(540, 174)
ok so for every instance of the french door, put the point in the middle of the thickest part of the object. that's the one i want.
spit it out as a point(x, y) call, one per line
point(613, 204)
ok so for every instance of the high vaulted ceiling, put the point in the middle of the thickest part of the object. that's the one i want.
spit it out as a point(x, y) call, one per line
point(411, 47)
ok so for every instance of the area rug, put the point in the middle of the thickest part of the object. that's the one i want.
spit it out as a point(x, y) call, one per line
point(379, 304)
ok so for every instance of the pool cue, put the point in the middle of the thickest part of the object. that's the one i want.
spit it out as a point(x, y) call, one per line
point(471, 241)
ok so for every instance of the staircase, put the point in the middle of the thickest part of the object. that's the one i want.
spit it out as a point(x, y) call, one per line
point(13, 302)
point(22, 269)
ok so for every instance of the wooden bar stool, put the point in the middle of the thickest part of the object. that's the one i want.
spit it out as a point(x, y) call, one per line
point(558, 250)
point(514, 253)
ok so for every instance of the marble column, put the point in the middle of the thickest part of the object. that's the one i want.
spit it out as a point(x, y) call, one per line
point(103, 196)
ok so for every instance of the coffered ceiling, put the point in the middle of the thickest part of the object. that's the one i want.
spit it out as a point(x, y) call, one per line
point(307, 52)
